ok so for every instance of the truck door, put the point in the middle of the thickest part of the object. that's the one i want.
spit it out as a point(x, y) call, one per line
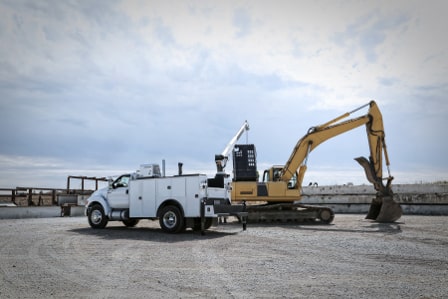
point(118, 194)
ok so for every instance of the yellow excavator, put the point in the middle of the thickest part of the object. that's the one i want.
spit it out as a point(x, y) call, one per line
point(276, 196)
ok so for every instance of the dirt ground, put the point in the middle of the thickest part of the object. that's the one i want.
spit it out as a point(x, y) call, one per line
point(352, 258)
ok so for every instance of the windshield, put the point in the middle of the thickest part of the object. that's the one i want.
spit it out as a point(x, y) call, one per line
point(122, 181)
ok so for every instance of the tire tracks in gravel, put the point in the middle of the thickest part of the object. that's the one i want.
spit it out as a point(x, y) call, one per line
point(64, 258)
point(35, 265)
point(59, 261)
point(12, 280)
point(217, 280)
point(113, 265)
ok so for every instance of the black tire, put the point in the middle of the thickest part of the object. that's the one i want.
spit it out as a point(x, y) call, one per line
point(96, 216)
point(171, 220)
point(130, 222)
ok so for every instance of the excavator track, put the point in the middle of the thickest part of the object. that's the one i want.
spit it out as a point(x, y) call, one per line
point(289, 212)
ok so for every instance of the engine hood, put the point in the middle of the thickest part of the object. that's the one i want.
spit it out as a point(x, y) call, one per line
point(98, 193)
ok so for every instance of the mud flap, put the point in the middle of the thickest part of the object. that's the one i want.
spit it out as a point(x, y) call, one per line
point(384, 209)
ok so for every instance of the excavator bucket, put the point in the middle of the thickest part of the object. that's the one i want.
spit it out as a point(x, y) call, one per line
point(384, 209)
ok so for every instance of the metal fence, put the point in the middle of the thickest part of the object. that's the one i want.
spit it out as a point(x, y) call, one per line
point(39, 196)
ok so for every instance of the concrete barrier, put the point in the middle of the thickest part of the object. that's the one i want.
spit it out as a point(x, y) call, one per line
point(415, 199)
point(37, 212)
point(68, 205)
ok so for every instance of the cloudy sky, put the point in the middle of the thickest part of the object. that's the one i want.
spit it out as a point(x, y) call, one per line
point(99, 87)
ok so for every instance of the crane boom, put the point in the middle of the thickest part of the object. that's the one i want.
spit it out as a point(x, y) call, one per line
point(228, 149)
point(221, 160)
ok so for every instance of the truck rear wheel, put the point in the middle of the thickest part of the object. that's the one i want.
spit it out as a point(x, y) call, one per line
point(171, 219)
point(96, 217)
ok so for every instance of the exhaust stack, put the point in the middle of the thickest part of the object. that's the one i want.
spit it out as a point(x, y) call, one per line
point(179, 166)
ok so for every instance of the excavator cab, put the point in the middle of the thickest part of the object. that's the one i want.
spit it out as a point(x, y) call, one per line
point(275, 173)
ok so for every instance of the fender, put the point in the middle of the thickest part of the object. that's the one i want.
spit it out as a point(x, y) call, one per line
point(169, 202)
point(99, 198)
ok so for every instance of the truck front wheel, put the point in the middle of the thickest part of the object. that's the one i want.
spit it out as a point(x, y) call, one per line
point(96, 217)
point(171, 219)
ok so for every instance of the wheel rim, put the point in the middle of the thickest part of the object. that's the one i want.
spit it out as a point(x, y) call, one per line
point(96, 216)
point(170, 219)
point(325, 215)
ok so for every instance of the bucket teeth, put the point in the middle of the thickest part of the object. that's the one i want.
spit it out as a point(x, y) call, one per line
point(384, 209)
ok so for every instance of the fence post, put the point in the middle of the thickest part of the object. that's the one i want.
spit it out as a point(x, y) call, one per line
point(13, 196)
point(53, 197)
point(30, 197)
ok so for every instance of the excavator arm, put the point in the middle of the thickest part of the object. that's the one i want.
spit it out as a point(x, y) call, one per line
point(319, 134)
point(372, 166)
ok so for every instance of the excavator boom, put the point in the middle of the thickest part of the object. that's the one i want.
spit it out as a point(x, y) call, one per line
point(319, 134)
point(373, 121)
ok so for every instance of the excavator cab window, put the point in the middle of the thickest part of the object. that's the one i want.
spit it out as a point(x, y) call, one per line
point(277, 172)
point(293, 182)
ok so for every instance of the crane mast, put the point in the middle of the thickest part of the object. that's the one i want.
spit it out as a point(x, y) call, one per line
point(221, 159)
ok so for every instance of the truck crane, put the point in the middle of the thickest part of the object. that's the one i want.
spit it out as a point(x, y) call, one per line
point(280, 187)
point(221, 179)
point(221, 159)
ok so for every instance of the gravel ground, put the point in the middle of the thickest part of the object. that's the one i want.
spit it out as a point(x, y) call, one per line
point(352, 258)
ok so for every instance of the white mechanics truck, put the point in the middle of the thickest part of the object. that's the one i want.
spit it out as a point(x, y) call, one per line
point(179, 202)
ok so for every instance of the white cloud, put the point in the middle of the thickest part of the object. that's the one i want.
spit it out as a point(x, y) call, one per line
point(126, 81)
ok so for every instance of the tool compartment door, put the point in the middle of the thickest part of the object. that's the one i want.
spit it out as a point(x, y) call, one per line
point(142, 194)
